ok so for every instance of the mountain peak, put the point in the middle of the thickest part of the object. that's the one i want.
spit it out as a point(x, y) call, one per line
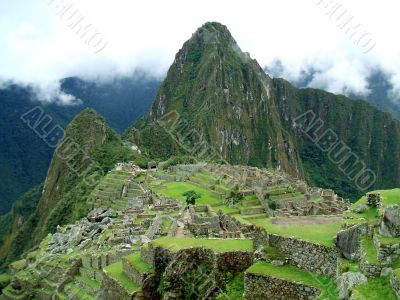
point(213, 33)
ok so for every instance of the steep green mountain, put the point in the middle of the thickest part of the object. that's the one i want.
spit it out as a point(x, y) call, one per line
point(225, 96)
point(88, 150)
point(24, 156)
point(215, 93)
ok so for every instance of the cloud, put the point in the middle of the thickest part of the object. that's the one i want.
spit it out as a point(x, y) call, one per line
point(38, 47)
point(51, 92)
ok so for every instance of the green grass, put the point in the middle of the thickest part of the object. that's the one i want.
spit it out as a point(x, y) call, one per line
point(376, 289)
point(204, 177)
point(348, 266)
point(322, 234)
point(4, 280)
point(175, 190)
point(234, 287)
point(115, 271)
point(370, 214)
point(326, 284)
point(218, 245)
point(92, 283)
point(385, 240)
point(273, 253)
point(226, 209)
point(388, 197)
point(136, 261)
point(78, 291)
point(368, 246)
point(166, 224)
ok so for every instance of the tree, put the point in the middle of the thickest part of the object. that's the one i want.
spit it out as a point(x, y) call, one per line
point(191, 197)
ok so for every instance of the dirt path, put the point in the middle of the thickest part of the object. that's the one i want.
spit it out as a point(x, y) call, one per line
point(180, 231)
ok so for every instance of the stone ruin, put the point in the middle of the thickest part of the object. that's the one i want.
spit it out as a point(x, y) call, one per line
point(329, 204)
point(130, 167)
point(203, 221)
point(165, 204)
point(373, 200)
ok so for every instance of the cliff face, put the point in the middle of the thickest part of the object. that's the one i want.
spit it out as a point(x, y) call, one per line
point(224, 96)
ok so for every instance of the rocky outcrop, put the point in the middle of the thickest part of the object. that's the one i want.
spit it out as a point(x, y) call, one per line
point(390, 222)
point(395, 282)
point(347, 281)
point(348, 241)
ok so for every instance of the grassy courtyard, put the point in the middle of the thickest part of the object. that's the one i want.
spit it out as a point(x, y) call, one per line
point(322, 234)
point(175, 190)
point(376, 289)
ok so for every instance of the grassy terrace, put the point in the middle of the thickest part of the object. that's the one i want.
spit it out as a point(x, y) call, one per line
point(322, 234)
point(370, 251)
point(136, 261)
point(218, 245)
point(326, 284)
point(175, 190)
point(115, 271)
point(376, 289)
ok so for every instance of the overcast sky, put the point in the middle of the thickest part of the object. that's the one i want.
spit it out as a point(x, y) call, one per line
point(38, 46)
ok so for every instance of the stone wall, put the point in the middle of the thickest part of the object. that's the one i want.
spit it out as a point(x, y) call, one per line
point(155, 228)
point(252, 211)
point(369, 269)
point(201, 266)
point(173, 229)
point(165, 177)
point(235, 261)
point(202, 184)
point(395, 283)
point(111, 289)
point(261, 287)
point(387, 253)
point(305, 255)
point(348, 241)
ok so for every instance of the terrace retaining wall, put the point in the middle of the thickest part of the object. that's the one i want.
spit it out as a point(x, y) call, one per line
point(302, 254)
point(395, 283)
point(387, 253)
point(260, 287)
